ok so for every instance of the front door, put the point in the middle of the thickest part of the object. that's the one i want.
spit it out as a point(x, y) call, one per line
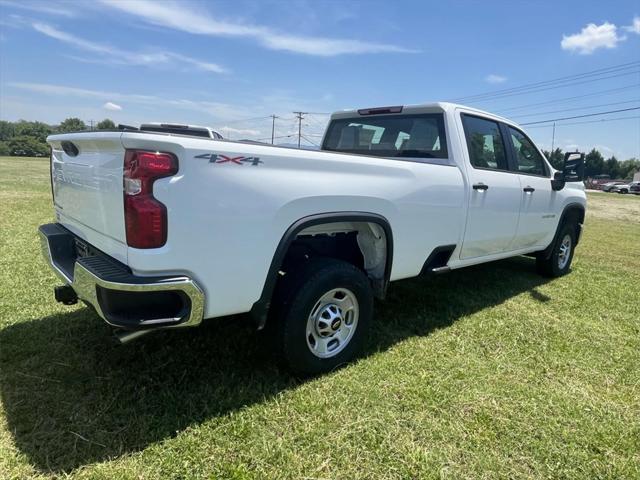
point(495, 192)
point(537, 212)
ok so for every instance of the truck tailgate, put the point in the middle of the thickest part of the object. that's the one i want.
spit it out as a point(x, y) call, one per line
point(87, 187)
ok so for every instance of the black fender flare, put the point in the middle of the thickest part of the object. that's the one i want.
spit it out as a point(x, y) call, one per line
point(260, 309)
point(569, 209)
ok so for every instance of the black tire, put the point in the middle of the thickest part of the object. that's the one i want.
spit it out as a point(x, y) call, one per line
point(556, 264)
point(298, 294)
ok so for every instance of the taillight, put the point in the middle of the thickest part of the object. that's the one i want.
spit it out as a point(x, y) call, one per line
point(145, 217)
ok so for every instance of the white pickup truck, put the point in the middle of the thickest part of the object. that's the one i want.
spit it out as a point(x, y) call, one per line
point(159, 230)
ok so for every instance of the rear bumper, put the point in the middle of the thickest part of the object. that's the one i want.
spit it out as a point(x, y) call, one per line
point(120, 298)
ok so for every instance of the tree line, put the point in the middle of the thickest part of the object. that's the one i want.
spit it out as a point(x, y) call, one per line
point(28, 139)
point(596, 164)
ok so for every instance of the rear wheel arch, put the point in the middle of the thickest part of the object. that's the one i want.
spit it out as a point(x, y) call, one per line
point(314, 224)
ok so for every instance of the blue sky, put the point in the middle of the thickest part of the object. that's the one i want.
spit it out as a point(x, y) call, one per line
point(224, 63)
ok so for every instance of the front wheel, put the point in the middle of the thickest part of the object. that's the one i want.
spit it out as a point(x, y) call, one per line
point(324, 313)
point(559, 262)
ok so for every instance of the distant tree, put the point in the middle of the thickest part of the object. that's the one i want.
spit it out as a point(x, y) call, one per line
point(24, 146)
point(612, 167)
point(38, 130)
point(556, 158)
point(72, 125)
point(106, 124)
point(4, 149)
point(594, 163)
point(628, 168)
point(7, 130)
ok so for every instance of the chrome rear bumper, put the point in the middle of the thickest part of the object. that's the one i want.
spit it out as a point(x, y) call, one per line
point(110, 287)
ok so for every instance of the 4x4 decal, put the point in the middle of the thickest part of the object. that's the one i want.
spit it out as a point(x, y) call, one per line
point(241, 160)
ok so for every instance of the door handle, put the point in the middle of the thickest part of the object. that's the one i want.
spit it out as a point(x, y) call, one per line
point(529, 189)
point(480, 186)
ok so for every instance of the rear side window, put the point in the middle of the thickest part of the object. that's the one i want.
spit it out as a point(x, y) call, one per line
point(485, 143)
point(527, 157)
point(413, 136)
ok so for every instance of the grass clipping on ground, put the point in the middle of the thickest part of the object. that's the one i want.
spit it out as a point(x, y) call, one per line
point(488, 372)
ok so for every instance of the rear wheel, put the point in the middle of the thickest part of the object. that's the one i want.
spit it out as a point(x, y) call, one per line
point(558, 262)
point(324, 312)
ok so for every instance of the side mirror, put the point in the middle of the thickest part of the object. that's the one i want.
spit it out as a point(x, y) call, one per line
point(557, 182)
point(572, 170)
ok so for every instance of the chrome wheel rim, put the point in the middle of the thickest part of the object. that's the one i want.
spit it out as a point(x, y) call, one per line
point(565, 251)
point(332, 322)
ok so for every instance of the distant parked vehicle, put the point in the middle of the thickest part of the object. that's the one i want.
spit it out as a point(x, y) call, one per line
point(634, 187)
point(625, 187)
point(607, 187)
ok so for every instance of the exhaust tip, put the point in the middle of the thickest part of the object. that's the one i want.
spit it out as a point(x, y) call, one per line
point(65, 295)
point(126, 336)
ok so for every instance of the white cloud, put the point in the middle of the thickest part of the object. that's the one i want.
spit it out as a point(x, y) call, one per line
point(121, 57)
point(493, 78)
point(591, 38)
point(112, 106)
point(635, 26)
point(179, 16)
point(39, 7)
point(214, 109)
point(239, 131)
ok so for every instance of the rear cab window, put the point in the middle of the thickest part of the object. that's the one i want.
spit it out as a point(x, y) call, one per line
point(485, 143)
point(407, 136)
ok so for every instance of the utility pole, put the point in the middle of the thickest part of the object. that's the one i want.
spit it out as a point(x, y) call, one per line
point(300, 116)
point(273, 127)
point(553, 137)
point(91, 123)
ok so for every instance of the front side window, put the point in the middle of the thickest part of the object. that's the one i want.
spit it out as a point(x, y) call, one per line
point(528, 159)
point(485, 143)
point(413, 136)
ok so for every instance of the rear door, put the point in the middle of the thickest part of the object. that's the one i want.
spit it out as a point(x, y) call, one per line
point(495, 191)
point(537, 212)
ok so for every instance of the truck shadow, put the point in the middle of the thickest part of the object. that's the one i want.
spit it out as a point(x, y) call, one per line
point(73, 397)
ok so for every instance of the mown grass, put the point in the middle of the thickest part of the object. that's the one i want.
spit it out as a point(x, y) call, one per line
point(489, 372)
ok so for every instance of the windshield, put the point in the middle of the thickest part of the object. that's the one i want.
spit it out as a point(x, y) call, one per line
point(415, 136)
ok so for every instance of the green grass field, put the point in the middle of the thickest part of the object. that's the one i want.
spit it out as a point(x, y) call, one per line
point(488, 372)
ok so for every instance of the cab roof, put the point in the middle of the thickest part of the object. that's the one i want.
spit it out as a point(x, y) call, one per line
point(432, 107)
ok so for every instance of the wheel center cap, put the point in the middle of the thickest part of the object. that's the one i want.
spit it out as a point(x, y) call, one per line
point(328, 320)
point(335, 325)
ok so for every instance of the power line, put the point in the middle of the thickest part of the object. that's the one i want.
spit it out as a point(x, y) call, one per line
point(581, 116)
point(567, 99)
point(537, 90)
point(310, 141)
point(577, 108)
point(587, 121)
point(555, 83)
